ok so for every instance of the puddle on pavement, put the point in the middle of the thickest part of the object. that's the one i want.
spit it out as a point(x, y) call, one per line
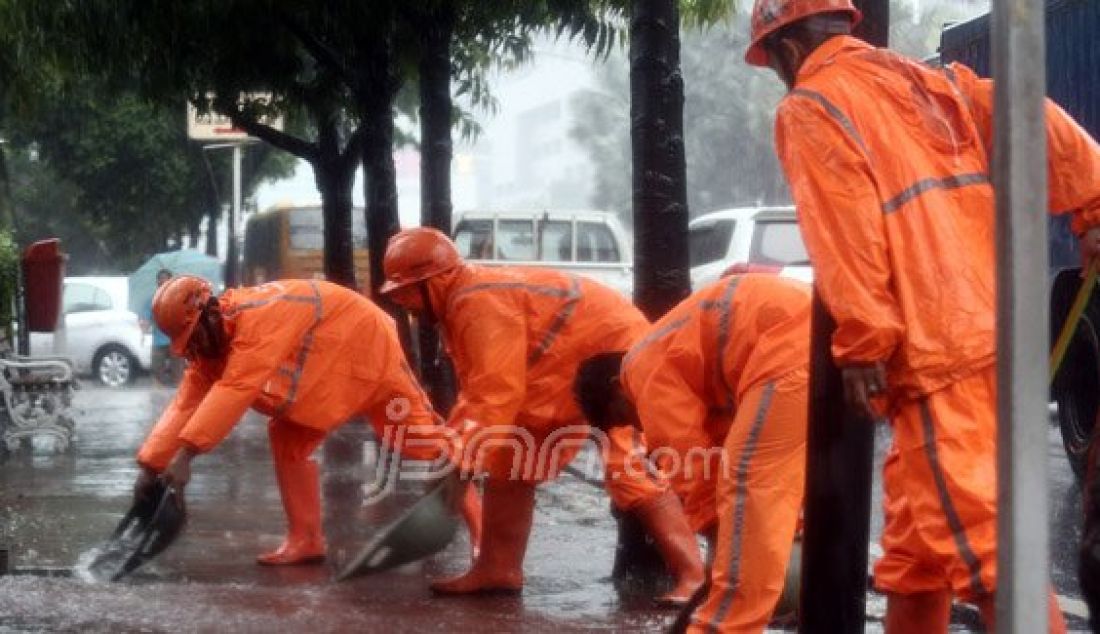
point(208, 580)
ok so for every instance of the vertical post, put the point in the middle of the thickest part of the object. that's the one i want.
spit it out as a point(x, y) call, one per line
point(1019, 173)
point(837, 513)
point(231, 255)
point(839, 462)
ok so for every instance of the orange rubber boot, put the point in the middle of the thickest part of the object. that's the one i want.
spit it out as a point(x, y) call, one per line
point(300, 489)
point(508, 512)
point(1057, 620)
point(471, 513)
point(664, 520)
point(918, 613)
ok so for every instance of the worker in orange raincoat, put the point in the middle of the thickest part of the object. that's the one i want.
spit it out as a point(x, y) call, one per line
point(311, 355)
point(719, 385)
point(888, 163)
point(516, 336)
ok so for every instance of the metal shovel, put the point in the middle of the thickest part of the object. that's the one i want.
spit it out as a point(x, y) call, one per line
point(147, 529)
point(421, 531)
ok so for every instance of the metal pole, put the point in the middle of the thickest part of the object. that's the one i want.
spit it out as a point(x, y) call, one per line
point(1019, 176)
point(231, 255)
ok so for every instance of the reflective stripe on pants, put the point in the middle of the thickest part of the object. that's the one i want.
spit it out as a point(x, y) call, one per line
point(940, 482)
point(759, 498)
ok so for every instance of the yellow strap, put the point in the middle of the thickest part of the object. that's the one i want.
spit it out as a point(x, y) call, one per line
point(1059, 353)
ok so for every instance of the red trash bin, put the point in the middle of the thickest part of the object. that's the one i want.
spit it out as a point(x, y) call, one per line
point(43, 272)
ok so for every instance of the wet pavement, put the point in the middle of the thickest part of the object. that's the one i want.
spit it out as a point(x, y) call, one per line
point(54, 508)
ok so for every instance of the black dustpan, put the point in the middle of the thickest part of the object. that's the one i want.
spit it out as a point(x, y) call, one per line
point(147, 529)
point(423, 530)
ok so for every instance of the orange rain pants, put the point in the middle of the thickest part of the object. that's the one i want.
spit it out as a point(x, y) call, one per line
point(517, 337)
point(888, 162)
point(311, 355)
point(944, 536)
point(720, 386)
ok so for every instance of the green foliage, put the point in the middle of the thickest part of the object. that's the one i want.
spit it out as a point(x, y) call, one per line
point(111, 175)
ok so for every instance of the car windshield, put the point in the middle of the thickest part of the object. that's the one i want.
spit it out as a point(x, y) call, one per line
point(710, 242)
point(778, 242)
point(307, 229)
point(81, 298)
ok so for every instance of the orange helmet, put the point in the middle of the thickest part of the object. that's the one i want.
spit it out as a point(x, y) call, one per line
point(177, 305)
point(768, 16)
point(414, 255)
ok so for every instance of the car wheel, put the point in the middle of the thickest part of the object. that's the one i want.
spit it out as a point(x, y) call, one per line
point(1076, 388)
point(114, 366)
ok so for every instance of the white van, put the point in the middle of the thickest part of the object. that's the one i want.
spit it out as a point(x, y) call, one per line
point(747, 235)
point(589, 243)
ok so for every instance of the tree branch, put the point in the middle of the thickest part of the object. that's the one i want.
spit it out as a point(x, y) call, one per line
point(318, 50)
point(277, 138)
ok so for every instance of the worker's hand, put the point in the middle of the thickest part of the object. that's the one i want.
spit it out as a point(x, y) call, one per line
point(1090, 247)
point(861, 384)
point(178, 473)
point(144, 486)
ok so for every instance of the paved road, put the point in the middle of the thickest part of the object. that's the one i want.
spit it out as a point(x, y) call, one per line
point(56, 507)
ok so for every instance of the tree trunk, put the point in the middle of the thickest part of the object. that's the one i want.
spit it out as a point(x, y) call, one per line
point(334, 173)
point(7, 215)
point(661, 265)
point(380, 178)
point(436, 150)
point(380, 190)
point(194, 228)
point(335, 185)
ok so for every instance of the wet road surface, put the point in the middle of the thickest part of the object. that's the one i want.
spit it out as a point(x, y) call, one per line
point(56, 507)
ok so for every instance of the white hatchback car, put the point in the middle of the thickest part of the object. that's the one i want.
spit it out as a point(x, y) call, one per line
point(102, 337)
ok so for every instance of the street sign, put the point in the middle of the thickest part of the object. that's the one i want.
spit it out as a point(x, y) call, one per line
point(212, 126)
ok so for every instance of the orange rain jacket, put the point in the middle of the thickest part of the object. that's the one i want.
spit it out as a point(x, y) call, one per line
point(517, 337)
point(688, 375)
point(888, 162)
point(309, 352)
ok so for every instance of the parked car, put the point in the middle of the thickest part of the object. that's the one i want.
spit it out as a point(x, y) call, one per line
point(102, 337)
point(589, 243)
point(747, 235)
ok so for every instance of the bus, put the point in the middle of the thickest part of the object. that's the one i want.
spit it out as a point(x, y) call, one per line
point(287, 242)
